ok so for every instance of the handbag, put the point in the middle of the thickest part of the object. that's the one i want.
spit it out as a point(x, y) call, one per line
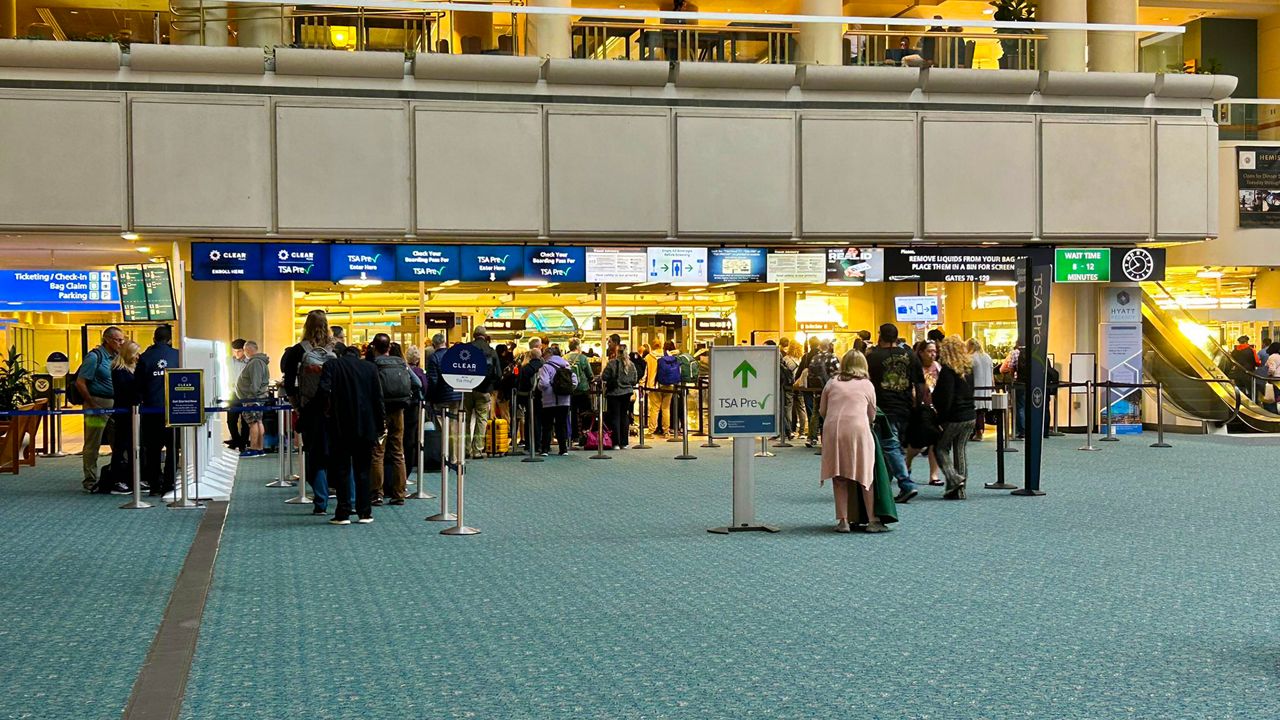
point(802, 382)
point(923, 429)
point(593, 440)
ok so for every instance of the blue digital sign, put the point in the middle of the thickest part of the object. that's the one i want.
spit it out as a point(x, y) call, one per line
point(556, 264)
point(491, 263)
point(737, 265)
point(295, 262)
point(59, 290)
point(427, 263)
point(226, 261)
point(363, 262)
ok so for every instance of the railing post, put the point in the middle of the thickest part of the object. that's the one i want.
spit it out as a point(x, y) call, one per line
point(282, 443)
point(531, 430)
point(1000, 404)
point(600, 432)
point(1092, 394)
point(460, 468)
point(1160, 443)
point(420, 493)
point(301, 498)
point(444, 515)
point(643, 419)
point(684, 424)
point(1111, 429)
point(1053, 432)
point(135, 448)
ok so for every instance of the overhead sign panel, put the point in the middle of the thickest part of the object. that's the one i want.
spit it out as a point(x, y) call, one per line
point(281, 261)
point(744, 390)
point(59, 290)
point(428, 263)
point(740, 265)
point(713, 324)
point(226, 261)
point(1088, 265)
point(615, 265)
point(854, 265)
point(949, 265)
point(491, 263)
point(146, 292)
point(365, 263)
point(555, 264)
point(676, 264)
point(916, 309)
point(796, 266)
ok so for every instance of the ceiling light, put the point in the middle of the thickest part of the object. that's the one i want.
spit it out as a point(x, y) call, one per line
point(845, 283)
point(143, 249)
point(449, 283)
point(989, 11)
point(725, 285)
point(688, 284)
point(1164, 19)
point(359, 281)
point(526, 282)
point(1001, 283)
point(1207, 274)
point(131, 236)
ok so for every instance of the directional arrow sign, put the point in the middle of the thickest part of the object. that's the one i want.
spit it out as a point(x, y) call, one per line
point(744, 385)
point(744, 369)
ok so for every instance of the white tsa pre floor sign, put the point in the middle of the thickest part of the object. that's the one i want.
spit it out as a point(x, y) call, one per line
point(744, 391)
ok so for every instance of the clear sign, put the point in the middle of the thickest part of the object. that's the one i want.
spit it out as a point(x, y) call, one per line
point(676, 264)
point(555, 264)
point(295, 262)
point(744, 390)
point(853, 266)
point(1082, 265)
point(427, 263)
point(736, 265)
point(183, 397)
point(916, 308)
point(796, 267)
point(463, 367)
point(363, 263)
point(615, 265)
point(492, 263)
point(226, 261)
point(59, 290)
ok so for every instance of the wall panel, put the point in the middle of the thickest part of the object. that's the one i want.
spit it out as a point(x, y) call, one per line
point(736, 173)
point(1097, 177)
point(1183, 175)
point(979, 175)
point(342, 167)
point(201, 163)
point(479, 168)
point(609, 172)
point(62, 160)
point(860, 174)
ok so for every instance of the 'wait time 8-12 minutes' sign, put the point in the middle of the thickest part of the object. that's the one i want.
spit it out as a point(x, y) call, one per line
point(744, 390)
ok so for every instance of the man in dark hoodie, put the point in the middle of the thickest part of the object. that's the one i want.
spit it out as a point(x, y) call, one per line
point(397, 394)
point(251, 390)
point(352, 397)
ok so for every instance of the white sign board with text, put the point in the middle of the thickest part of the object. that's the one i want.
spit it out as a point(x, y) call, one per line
point(744, 391)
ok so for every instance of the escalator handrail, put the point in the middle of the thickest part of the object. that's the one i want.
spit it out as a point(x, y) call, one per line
point(1218, 349)
point(1232, 387)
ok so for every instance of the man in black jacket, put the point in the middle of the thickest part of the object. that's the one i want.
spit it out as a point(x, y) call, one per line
point(350, 393)
point(155, 437)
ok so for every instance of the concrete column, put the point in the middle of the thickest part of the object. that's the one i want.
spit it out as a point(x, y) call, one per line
point(8, 18)
point(1269, 76)
point(263, 26)
point(1266, 289)
point(1064, 49)
point(216, 325)
point(187, 28)
point(1113, 51)
point(472, 32)
point(549, 36)
point(820, 43)
point(264, 312)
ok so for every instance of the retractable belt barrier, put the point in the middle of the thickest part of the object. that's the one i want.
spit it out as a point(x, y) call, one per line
point(682, 391)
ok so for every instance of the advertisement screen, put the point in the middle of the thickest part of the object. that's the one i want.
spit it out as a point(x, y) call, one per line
point(737, 265)
point(295, 262)
point(677, 264)
point(916, 309)
point(854, 265)
point(556, 264)
point(1258, 185)
point(427, 263)
point(226, 261)
point(492, 263)
point(363, 262)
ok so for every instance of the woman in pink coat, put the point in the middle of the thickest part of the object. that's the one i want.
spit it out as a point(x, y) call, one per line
point(848, 409)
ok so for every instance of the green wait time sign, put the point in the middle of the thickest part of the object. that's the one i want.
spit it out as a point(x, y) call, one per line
point(1082, 265)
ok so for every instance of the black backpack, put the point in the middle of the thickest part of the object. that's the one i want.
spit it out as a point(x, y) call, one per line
point(564, 381)
point(397, 386)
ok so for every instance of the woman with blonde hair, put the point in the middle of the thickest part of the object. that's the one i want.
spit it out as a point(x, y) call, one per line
point(848, 408)
point(953, 401)
point(125, 393)
point(984, 378)
point(301, 366)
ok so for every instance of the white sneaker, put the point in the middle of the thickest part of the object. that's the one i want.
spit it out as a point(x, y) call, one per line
point(365, 521)
point(842, 526)
point(336, 521)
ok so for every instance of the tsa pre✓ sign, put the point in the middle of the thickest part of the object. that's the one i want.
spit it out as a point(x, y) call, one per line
point(744, 391)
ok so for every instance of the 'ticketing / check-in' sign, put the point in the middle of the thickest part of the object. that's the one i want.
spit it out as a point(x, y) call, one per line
point(744, 390)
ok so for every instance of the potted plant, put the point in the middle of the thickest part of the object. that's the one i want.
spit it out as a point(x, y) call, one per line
point(15, 382)
point(1012, 11)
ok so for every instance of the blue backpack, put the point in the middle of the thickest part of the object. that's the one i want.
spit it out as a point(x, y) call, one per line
point(668, 370)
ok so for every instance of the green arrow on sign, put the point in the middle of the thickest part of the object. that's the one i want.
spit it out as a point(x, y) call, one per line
point(744, 369)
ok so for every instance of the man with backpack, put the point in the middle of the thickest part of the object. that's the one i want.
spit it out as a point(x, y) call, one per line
point(558, 381)
point(95, 392)
point(478, 404)
point(397, 393)
point(823, 366)
point(580, 400)
point(302, 366)
point(667, 379)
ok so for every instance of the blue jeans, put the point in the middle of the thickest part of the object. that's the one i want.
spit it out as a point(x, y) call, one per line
point(891, 429)
point(315, 448)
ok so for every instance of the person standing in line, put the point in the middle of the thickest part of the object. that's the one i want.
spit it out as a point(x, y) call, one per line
point(440, 396)
point(251, 389)
point(619, 377)
point(557, 380)
point(983, 380)
point(810, 400)
point(125, 388)
point(396, 383)
point(580, 401)
point(899, 382)
point(667, 376)
point(848, 407)
point(339, 340)
point(302, 365)
point(351, 395)
point(528, 393)
point(823, 366)
point(478, 404)
point(239, 440)
point(927, 352)
point(788, 368)
point(953, 400)
point(93, 381)
point(156, 438)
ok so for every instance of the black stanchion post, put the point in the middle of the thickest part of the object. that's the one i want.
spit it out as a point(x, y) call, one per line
point(1053, 431)
point(1160, 443)
point(702, 397)
point(1009, 418)
point(684, 427)
point(531, 431)
point(644, 418)
point(600, 432)
point(1000, 404)
point(513, 431)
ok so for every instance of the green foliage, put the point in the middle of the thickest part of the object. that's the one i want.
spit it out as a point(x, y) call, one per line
point(15, 381)
point(1014, 10)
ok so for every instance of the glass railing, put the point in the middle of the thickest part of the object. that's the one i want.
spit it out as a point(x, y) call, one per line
point(1249, 119)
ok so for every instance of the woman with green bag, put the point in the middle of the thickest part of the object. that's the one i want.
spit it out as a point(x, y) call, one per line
point(850, 450)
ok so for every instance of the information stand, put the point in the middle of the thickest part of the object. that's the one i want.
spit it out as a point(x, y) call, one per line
point(744, 390)
point(463, 368)
point(184, 408)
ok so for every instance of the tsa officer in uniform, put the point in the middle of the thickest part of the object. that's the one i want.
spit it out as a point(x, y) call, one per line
point(155, 436)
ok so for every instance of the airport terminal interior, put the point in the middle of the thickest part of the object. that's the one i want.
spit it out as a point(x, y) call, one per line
point(813, 359)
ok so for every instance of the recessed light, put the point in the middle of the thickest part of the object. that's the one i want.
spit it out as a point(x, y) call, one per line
point(1165, 19)
point(143, 249)
point(129, 235)
point(989, 11)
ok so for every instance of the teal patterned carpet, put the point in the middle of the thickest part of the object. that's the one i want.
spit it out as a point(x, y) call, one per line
point(83, 586)
point(1142, 587)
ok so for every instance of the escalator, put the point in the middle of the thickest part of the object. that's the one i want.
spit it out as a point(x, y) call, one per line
point(1196, 386)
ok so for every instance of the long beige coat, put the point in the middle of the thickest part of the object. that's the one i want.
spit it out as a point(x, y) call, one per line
point(848, 410)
